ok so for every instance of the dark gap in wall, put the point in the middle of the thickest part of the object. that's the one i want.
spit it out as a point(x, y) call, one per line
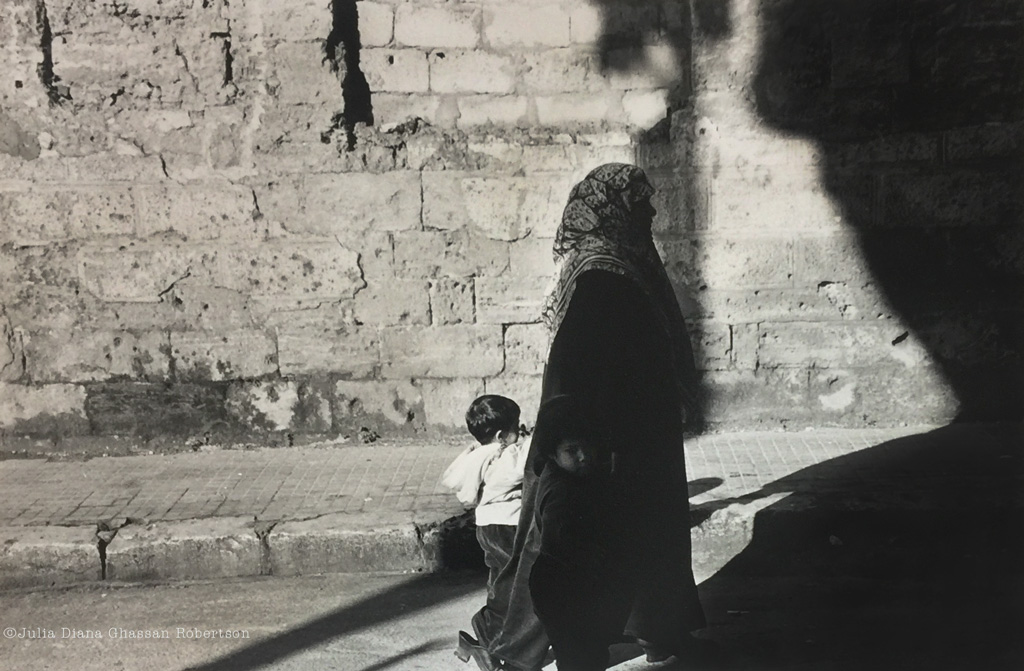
point(229, 74)
point(343, 46)
point(45, 68)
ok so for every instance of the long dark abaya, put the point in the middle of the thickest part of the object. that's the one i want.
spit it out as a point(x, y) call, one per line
point(613, 350)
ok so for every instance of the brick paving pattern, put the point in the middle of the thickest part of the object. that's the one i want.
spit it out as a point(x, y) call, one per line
point(303, 483)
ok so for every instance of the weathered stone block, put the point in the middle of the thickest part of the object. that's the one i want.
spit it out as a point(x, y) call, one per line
point(532, 256)
point(752, 202)
point(728, 263)
point(526, 349)
point(751, 306)
point(351, 204)
point(437, 26)
point(326, 545)
point(376, 23)
point(322, 270)
point(445, 401)
point(280, 405)
point(95, 71)
point(523, 389)
point(276, 202)
point(218, 547)
point(837, 345)
point(138, 273)
point(198, 213)
point(353, 352)
point(395, 70)
point(393, 302)
point(503, 208)
point(41, 170)
point(303, 76)
point(442, 351)
point(155, 409)
point(526, 26)
point(193, 305)
point(298, 21)
point(745, 338)
point(448, 254)
point(84, 356)
point(955, 199)
point(471, 72)
point(560, 71)
point(586, 24)
point(232, 355)
point(39, 556)
point(44, 216)
point(558, 157)
point(34, 218)
point(556, 110)
point(882, 395)
point(378, 404)
point(763, 398)
point(712, 345)
point(392, 109)
point(451, 301)
point(101, 211)
point(497, 110)
point(506, 300)
point(113, 167)
point(835, 258)
point(282, 127)
point(47, 409)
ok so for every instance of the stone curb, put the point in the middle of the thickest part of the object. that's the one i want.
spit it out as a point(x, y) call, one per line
point(213, 548)
point(226, 547)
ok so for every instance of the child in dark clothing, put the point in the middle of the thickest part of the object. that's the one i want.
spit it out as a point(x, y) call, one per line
point(579, 590)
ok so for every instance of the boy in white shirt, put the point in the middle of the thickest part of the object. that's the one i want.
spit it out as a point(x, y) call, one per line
point(489, 476)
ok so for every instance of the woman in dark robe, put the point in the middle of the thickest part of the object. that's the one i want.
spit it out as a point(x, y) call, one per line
point(619, 342)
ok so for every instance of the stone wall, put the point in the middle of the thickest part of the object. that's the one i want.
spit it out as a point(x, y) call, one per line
point(308, 217)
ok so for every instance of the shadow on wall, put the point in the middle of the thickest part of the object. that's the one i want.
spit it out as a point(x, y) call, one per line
point(905, 555)
point(917, 108)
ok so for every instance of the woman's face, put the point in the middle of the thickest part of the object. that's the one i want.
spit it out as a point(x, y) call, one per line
point(643, 214)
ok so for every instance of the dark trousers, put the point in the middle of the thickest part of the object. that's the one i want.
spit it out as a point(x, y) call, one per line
point(496, 541)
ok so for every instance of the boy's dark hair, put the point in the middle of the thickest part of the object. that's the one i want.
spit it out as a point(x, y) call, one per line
point(561, 417)
point(489, 414)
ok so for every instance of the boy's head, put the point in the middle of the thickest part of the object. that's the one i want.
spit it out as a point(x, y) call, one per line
point(567, 437)
point(492, 417)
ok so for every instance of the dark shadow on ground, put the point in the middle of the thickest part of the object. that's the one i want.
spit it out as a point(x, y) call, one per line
point(906, 555)
point(407, 598)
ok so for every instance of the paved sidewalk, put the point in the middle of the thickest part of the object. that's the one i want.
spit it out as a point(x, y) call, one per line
point(382, 477)
point(324, 507)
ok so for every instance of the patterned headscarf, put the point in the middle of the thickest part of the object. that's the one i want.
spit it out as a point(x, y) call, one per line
point(599, 230)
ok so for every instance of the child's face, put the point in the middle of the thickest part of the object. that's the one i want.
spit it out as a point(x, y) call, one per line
point(576, 456)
